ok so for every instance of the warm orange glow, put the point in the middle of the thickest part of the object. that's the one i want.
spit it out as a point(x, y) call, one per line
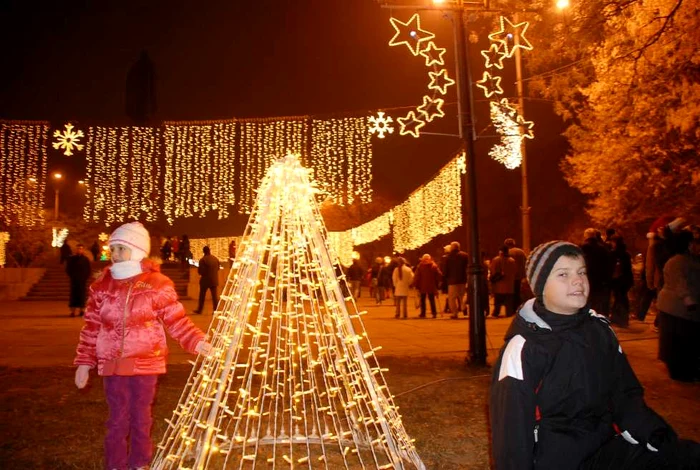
point(562, 4)
point(57, 176)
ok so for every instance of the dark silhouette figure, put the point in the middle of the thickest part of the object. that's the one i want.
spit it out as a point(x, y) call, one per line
point(209, 278)
point(95, 250)
point(78, 270)
point(65, 251)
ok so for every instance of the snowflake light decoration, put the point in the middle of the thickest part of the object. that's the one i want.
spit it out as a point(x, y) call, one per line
point(68, 140)
point(381, 124)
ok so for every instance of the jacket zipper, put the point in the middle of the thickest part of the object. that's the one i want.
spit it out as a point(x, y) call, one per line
point(126, 306)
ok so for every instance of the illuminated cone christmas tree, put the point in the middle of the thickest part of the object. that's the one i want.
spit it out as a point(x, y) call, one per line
point(293, 380)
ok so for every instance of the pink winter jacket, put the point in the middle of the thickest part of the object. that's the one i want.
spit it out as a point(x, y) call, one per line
point(125, 320)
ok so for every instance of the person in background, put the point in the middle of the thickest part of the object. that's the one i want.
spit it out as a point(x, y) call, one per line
point(65, 251)
point(456, 276)
point(519, 256)
point(621, 282)
point(131, 305)
point(402, 278)
point(185, 253)
point(166, 250)
point(563, 394)
point(231, 252)
point(208, 270)
point(354, 276)
point(679, 315)
point(375, 288)
point(502, 272)
point(599, 266)
point(78, 270)
point(426, 280)
point(95, 250)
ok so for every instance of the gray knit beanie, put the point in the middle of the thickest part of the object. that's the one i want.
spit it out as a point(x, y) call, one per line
point(541, 261)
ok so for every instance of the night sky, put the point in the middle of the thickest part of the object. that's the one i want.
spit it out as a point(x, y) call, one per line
point(223, 59)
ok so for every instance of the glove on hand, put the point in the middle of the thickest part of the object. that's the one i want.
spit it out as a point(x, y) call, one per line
point(82, 374)
point(203, 348)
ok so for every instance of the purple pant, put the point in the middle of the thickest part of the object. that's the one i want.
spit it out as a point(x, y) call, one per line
point(129, 399)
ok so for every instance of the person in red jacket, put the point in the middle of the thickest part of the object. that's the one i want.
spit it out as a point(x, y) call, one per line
point(131, 305)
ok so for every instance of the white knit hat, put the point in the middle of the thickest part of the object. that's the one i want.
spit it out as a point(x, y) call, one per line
point(135, 236)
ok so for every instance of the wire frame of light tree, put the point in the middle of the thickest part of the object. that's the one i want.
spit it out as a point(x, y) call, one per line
point(292, 380)
point(23, 170)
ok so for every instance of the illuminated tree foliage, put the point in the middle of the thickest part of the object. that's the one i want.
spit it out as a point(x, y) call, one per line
point(625, 75)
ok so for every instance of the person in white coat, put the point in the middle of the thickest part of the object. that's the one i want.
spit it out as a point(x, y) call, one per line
point(402, 278)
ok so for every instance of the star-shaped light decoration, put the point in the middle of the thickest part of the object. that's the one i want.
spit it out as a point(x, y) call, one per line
point(526, 128)
point(440, 81)
point(509, 33)
point(494, 56)
point(103, 237)
point(431, 108)
point(68, 140)
point(433, 55)
point(409, 33)
point(491, 85)
point(410, 124)
point(380, 125)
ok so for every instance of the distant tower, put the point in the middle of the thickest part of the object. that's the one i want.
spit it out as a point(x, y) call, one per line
point(141, 90)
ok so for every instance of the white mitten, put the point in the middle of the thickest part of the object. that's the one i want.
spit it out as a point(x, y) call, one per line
point(82, 374)
point(203, 348)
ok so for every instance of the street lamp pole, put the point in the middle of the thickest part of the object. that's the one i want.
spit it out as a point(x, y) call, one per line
point(477, 323)
point(55, 206)
point(525, 203)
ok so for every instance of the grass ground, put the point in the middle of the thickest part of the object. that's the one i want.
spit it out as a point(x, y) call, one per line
point(46, 423)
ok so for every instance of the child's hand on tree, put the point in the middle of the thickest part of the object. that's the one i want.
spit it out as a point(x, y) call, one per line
point(203, 348)
point(82, 374)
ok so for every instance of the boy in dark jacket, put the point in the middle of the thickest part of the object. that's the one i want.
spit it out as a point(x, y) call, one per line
point(563, 395)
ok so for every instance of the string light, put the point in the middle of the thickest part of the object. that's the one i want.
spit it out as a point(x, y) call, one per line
point(341, 158)
point(433, 55)
point(493, 56)
point(68, 140)
point(410, 124)
point(199, 168)
point(431, 108)
point(490, 85)
point(262, 142)
point(431, 210)
point(218, 246)
point(410, 34)
point(122, 174)
point(508, 125)
point(292, 377)
point(4, 238)
point(372, 230)
point(440, 81)
point(23, 172)
point(506, 36)
point(58, 236)
point(381, 125)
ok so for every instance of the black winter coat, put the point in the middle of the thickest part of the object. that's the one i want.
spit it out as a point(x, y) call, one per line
point(558, 386)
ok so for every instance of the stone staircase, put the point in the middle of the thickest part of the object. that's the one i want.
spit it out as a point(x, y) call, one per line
point(54, 285)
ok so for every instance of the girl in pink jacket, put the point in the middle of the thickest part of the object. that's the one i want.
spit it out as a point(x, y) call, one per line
point(131, 305)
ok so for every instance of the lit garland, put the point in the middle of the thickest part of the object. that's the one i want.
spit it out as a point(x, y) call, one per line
point(372, 230)
point(58, 236)
point(341, 157)
point(419, 42)
point(292, 378)
point(68, 140)
point(122, 174)
point(4, 238)
point(434, 209)
point(199, 169)
point(105, 254)
point(218, 247)
point(262, 142)
point(511, 126)
point(23, 168)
